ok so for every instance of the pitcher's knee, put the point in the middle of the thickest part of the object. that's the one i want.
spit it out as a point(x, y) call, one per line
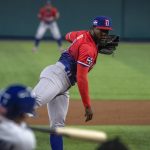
point(40, 99)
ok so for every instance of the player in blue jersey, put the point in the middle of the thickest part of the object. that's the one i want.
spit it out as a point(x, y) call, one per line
point(15, 103)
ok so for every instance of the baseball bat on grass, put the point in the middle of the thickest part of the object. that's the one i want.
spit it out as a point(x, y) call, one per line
point(83, 134)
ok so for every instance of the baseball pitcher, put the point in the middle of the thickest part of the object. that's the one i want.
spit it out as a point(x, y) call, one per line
point(73, 67)
point(16, 100)
point(48, 16)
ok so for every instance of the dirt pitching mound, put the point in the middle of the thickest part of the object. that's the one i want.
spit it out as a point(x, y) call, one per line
point(105, 113)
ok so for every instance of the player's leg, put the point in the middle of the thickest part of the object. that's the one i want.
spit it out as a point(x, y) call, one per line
point(45, 91)
point(57, 111)
point(53, 81)
point(56, 34)
point(51, 89)
point(39, 35)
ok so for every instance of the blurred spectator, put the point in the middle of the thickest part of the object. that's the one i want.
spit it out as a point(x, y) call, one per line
point(15, 102)
point(48, 16)
point(114, 144)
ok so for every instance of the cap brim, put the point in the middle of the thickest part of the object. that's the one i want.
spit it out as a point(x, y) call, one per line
point(105, 28)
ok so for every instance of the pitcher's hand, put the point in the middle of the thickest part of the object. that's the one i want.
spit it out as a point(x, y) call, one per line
point(88, 114)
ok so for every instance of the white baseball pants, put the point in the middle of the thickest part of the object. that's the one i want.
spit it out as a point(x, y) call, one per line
point(52, 27)
point(52, 89)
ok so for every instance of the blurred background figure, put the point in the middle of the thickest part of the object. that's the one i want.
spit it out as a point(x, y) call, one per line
point(114, 144)
point(48, 16)
point(15, 103)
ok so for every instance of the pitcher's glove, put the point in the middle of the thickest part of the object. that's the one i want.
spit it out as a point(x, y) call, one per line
point(108, 45)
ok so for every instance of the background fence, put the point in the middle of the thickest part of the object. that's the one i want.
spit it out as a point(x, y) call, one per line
point(131, 18)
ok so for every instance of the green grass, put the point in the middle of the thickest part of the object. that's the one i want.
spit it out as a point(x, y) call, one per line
point(124, 76)
point(136, 137)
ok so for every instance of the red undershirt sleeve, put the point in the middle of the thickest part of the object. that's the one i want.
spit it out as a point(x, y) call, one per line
point(82, 82)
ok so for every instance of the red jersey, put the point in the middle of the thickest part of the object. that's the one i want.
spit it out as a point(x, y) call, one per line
point(47, 13)
point(83, 48)
point(84, 52)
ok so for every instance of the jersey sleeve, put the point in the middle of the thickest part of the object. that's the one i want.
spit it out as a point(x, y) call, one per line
point(83, 64)
point(40, 14)
point(85, 56)
point(71, 36)
point(82, 82)
point(54, 11)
